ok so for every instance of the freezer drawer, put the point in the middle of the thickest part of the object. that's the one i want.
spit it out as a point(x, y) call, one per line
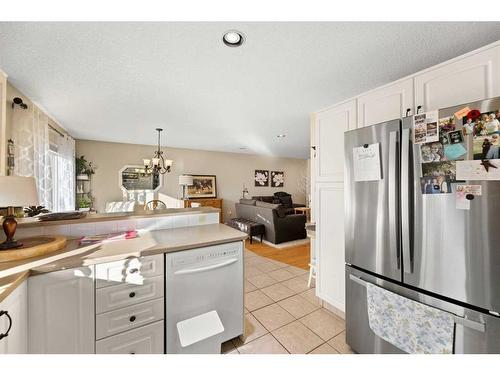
point(478, 333)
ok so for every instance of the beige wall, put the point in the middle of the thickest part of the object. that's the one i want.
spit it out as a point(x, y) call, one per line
point(232, 171)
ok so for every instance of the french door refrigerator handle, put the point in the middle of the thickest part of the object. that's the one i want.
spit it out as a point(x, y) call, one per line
point(393, 191)
point(405, 201)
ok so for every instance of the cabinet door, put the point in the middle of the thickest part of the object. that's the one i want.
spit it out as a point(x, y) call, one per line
point(16, 304)
point(61, 312)
point(386, 103)
point(330, 255)
point(471, 78)
point(329, 128)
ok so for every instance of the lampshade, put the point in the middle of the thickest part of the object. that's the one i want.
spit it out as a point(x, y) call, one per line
point(185, 180)
point(18, 191)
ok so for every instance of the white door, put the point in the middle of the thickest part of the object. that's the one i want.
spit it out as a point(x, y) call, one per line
point(471, 78)
point(386, 103)
point(61, 312)
point(16, 306)
point(330, 244)
point(329, 128)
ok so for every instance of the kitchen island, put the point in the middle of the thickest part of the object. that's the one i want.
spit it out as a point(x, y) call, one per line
point(76, 303)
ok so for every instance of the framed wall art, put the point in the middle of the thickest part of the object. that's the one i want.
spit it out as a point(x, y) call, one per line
point(204, 186)
point(277, 179)
point(261, 177)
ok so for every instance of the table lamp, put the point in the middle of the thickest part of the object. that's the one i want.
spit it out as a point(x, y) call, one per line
point(15, 192)
point(185, 180)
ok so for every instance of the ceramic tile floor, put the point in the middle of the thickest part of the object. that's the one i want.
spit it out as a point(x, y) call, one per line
point(283, 315)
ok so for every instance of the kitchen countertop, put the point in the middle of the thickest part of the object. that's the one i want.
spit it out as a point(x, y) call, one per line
point(92, 218)
point(148, 243)
point(10, 283)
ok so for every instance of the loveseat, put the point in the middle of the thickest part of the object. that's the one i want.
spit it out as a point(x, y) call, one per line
point(282, 198)
point(280, 227)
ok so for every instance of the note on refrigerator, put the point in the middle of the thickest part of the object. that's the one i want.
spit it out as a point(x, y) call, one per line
point(366, 163)
point(474, 170)
point(461, 202)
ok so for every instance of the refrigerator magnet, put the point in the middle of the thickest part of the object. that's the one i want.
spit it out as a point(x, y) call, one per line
point(425, 126)
point(460, 114)
point(461, 202)
point(469, 189)
point(435, 185)
point(455, 151)
point(443, 168)
point(366, 162)
point(455, 137)
point(475, 170)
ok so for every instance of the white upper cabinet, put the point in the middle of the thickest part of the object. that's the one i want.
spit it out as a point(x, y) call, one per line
point(471, 78)
point(385, 103)
point(329, 128)
point(61, 312)
point(16, 305)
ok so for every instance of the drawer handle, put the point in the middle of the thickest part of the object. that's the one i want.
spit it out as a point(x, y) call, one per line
point(132, 294)
point(6, 313)
point(132, 352)
point(132, 318)
point(134, 270)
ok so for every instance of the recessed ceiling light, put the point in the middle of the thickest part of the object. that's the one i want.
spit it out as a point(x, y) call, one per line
point(281, 135)
point(233, 38)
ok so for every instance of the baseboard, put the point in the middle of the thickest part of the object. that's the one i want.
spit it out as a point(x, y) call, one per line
point(284, 245)
point(333, 309)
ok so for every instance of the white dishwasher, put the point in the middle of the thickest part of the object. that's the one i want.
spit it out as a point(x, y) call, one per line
point(202, 280)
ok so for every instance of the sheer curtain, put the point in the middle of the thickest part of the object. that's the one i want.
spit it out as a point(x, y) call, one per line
point(46, 155)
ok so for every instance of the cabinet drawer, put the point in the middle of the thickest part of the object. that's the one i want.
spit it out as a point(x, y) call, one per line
point(130, 317)
point(132, 270)
point(115, 297)
point(143, 340)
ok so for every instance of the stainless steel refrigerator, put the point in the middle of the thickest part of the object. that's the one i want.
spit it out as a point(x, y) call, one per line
point(420, 245)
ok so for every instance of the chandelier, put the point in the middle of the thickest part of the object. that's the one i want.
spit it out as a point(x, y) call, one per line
point(158, 164)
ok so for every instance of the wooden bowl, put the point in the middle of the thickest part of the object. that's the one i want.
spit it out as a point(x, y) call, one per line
point(34, 247)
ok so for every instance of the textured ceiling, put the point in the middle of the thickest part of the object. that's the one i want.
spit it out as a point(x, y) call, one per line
point(118, 81)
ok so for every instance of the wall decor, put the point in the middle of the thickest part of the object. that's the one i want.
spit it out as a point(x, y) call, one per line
point(261, 177)
point(277, 179)
point(135, 178)
point(204, 186)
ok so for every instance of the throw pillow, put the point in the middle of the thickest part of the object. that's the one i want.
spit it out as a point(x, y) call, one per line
point(286, 201)
point(249, 202)
point(267, 205)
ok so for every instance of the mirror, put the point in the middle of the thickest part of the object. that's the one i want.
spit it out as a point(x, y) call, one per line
point(134, 178)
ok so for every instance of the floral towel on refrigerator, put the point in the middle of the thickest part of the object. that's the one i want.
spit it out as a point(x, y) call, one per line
point(411, 326)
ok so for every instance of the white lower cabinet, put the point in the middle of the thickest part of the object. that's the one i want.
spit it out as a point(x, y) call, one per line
point(117, 321)
point(130, 309)
point(125, 294)
point(16, 307)
point(329, 242)
point(144, 340)
point(61, 312)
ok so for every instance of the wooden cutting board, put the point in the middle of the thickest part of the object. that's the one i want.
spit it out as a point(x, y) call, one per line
point(34, 247)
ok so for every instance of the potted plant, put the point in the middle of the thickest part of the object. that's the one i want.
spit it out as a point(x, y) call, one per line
point(35, 210)
point(84, 204)
point(84, 168)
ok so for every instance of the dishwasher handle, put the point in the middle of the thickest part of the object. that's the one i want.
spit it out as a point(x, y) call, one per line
point(187, 271)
